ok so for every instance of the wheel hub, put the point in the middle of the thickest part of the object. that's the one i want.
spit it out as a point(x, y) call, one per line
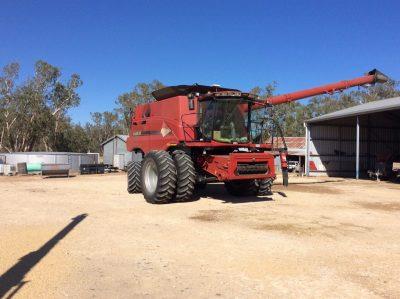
point(151, 176)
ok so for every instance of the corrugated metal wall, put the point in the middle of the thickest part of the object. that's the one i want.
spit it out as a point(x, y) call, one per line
point(108, 152)
point(120, 146)
point(73, 159)
point(333, 148)
point(113, 147)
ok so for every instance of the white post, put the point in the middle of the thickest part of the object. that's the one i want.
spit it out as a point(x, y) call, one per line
point(358, 149)
point(307, 156)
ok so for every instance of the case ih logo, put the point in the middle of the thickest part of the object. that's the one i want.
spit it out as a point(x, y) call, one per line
point(165, 130)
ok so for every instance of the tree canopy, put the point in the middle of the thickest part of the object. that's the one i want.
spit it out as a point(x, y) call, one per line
point(34, 113)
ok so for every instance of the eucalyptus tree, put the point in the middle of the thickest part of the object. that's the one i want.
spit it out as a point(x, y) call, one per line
point(33, 111)
point(8, 109)
point(128, 101)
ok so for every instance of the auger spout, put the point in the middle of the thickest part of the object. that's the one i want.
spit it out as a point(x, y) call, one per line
point(371, 77)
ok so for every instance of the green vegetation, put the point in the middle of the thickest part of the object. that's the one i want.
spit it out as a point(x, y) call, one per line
point(34, 113)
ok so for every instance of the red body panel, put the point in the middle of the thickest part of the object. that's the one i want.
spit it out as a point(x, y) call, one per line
point(224, 167)
point(158, 125)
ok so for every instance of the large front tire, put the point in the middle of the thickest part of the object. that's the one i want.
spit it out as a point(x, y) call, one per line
point(158, 177)
point(186, 176)
point(133, 174)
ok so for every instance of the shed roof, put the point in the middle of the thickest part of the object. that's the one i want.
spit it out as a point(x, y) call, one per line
point(368, 108)
point(291, 142)
point(122, 137)
point(295, 145)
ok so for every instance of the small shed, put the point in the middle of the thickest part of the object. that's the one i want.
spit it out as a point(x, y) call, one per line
point(115, 152)
point(356, 141)
point(296, 146)
point(296, 150)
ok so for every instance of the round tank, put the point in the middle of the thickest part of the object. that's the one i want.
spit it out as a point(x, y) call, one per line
point(33, 167)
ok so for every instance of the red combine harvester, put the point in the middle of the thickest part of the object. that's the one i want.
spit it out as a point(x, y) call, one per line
point(194, 134)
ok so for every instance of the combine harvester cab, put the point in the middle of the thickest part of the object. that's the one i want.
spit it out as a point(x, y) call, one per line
point(194, 134)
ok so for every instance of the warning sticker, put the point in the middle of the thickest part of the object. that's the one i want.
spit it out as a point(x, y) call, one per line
point(165, 130)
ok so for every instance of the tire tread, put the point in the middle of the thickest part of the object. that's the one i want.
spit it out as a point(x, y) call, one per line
point(186, 176)
point(133, 174)
point(166, 177)
point(264, 187)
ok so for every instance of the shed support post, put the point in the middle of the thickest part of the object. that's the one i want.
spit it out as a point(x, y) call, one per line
point(307, 156)
point(358, 149)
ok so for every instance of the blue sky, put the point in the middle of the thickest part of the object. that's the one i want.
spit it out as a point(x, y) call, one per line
point(115, 44)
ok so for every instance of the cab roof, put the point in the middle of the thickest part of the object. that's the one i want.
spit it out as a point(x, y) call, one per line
point(183, 90)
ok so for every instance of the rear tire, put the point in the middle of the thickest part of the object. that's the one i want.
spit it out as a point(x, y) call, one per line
point(264, 187)
point(158, 177)
point(186, 176)
point(241, 187)
point(133, 175)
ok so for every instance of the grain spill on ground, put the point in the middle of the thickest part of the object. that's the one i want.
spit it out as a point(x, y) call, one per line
point(380, 206)
point(315, 229)
point(287, 228)
point(309, 188)
point(36, 190)
point(211, 216)
point(265, 222)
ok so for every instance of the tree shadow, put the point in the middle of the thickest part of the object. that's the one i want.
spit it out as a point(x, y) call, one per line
point(217, 191)
point(14, 276)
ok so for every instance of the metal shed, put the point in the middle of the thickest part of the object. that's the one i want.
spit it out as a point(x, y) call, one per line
point(115, 152)
point(353, 141)
point(73, 159)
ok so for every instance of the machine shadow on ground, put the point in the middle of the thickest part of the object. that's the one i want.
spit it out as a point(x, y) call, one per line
point(14, 276)
point(217, 191)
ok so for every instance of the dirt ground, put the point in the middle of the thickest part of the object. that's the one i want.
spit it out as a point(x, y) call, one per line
point(86, 237)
